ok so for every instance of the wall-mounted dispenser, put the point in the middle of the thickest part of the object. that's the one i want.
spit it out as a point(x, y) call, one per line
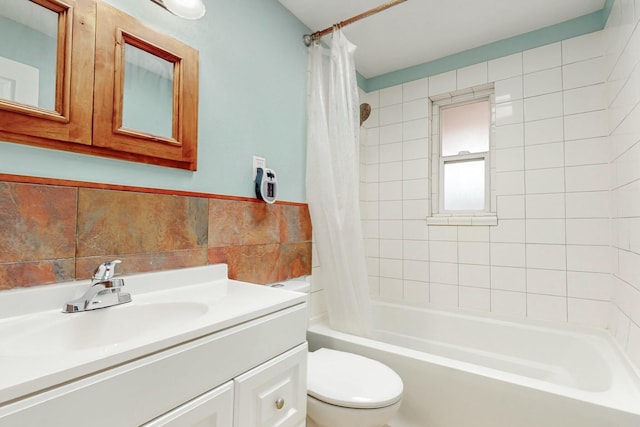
point(266, 185)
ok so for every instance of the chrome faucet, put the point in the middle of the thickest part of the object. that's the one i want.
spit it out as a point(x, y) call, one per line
point(105, 291)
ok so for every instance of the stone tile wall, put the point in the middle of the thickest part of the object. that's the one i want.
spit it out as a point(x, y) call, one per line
point(52, 233)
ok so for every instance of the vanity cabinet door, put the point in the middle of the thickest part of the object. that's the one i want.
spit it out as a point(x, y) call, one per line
point(274, 393)
point(212, 409)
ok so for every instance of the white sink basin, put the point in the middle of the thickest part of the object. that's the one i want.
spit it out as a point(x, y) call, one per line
point(102, 329)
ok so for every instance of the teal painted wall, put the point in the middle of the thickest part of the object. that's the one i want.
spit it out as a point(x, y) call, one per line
point(253, 81)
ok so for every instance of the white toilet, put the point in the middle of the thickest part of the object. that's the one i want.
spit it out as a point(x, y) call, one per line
point(348, 390)
point(345, 389)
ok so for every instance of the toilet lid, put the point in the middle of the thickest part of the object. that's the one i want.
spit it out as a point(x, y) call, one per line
point(351, 381)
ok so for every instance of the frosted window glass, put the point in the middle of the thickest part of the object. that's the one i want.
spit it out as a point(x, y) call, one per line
point(465, 128)
point(464, 185)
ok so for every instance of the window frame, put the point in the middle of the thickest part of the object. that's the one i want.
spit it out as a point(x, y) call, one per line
point(438, 215)
point(464, 157)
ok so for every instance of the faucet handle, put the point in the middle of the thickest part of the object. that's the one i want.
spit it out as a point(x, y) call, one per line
point(106, 270)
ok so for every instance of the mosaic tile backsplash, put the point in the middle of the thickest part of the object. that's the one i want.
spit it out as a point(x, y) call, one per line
point(52, 234)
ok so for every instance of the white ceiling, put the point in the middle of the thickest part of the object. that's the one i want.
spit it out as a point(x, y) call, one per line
point(419, 31)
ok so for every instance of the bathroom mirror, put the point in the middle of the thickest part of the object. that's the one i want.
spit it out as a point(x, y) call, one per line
point(147, 95)
point(29, 51)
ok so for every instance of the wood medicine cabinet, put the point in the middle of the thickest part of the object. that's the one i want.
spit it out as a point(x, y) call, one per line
point(122, 90)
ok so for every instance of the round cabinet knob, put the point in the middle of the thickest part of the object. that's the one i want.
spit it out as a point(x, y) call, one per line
point(280, 403)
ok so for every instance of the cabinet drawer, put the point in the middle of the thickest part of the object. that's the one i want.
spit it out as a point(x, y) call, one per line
point(212, 409)
point(275, 393)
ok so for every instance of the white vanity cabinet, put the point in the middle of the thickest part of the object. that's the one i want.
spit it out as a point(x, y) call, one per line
point(247, 374)
point(272, 394)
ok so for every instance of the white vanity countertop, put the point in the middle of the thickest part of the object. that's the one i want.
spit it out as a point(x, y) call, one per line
point(41, 347)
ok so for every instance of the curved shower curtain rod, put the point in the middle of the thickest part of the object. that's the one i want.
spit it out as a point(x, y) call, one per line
point(310, 38)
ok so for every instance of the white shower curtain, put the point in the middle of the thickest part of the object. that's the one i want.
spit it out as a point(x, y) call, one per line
point(333, 184)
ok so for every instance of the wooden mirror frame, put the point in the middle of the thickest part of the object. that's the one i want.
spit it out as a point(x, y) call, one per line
point(114, 29)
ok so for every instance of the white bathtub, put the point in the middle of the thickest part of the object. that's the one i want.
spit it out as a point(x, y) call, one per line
point(462, 370)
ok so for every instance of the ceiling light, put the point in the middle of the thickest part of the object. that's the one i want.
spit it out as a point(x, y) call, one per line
point(188, 9)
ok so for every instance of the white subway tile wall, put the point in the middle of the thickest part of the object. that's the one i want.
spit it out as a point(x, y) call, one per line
point(473, 75)
point(548, 257)
point(622, 75)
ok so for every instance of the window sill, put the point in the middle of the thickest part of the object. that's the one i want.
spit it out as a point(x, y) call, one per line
point(490, 219)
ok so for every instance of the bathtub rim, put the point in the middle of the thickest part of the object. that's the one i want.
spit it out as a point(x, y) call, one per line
point(611, 398)
point(539, 324)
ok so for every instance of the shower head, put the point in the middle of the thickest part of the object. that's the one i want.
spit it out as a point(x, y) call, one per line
point(365, 110)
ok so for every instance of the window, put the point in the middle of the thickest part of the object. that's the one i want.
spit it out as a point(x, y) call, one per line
point(461, 158)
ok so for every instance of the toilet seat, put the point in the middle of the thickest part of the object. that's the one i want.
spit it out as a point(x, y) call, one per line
point(351, 381)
